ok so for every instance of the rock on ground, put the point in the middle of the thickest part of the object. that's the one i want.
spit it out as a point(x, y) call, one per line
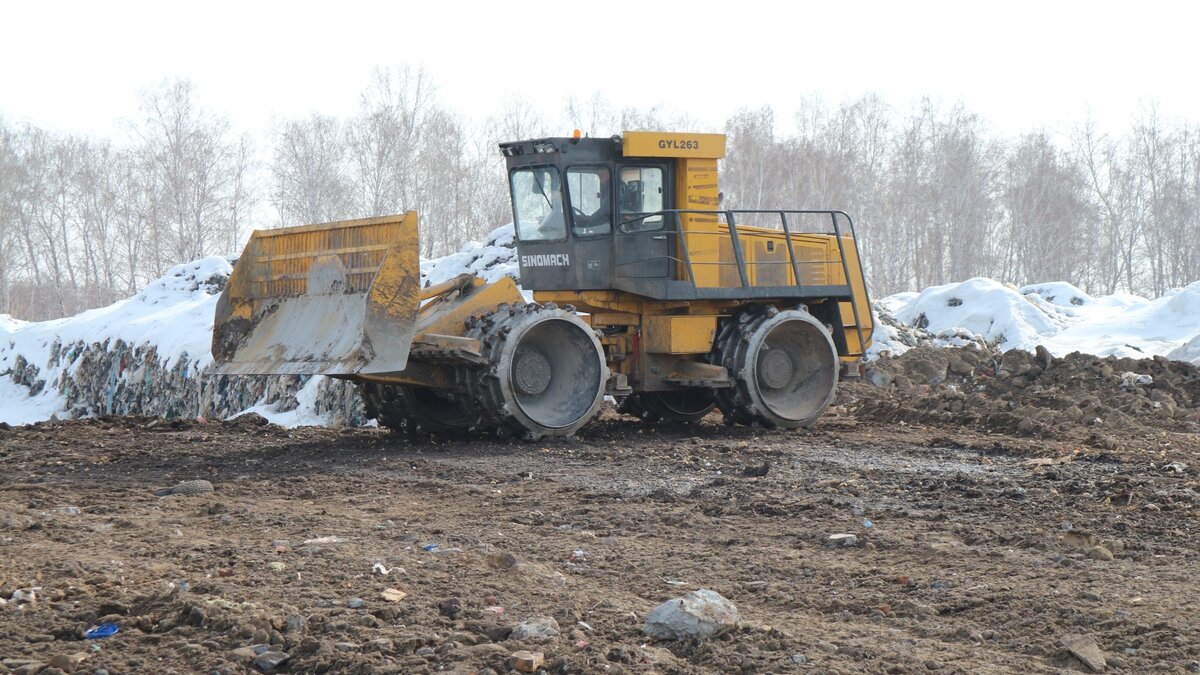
point(698, 615)
point(1085, 649)
point(539, 627)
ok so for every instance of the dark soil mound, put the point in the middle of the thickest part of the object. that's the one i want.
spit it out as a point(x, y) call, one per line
point(1098, 400)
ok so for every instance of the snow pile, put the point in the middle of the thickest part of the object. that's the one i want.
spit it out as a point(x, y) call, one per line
point(1188, 351)
point(495, 258)
point(1000, 315)
point(1058, 316)
point(148, 354)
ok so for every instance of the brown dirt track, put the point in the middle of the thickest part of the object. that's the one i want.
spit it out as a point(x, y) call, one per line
point(981, 557)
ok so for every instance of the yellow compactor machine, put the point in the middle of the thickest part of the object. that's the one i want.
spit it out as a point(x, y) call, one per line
point(644, 288)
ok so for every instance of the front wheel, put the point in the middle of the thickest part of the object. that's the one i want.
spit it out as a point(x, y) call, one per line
point(546, 371)
point(399, 406)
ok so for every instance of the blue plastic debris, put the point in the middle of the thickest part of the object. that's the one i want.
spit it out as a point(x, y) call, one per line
point(430, 547)
point(867, 523)
point(102, 631)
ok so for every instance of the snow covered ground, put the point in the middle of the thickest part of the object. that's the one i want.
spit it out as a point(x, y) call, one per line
point(156, 343)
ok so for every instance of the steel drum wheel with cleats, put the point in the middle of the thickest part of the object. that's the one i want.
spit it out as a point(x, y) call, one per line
point(785, 368)
point(399, 406)
point(547, 373)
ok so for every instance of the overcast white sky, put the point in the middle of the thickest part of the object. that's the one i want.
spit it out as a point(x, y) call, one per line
point(78, 66)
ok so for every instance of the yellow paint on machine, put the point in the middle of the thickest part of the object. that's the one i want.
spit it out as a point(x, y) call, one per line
point(679, 334)
point(671, 144)
point(335, 299)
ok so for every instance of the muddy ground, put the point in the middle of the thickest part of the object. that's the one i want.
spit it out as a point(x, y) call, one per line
point(987, 534)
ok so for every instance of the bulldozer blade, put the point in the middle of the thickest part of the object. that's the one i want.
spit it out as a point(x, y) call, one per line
point(333, 299)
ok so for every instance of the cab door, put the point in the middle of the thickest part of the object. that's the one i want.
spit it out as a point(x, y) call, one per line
point(540, 219)
point(590, 201)
point(643, 237)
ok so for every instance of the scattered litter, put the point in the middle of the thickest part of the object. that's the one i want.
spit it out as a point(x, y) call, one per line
point(67, 662)
point(526, 662)
point(379, 567)
point(101, 631)
point(431, 547)
point(536, 628)
point(325, 540)
point(675, 582)
point(842, 540)
point(494, 609)
point(579, 555)
point(222, 603)
point(355, 603)
point(1050, 461)
point(393, 594)
point(25, 595)
point(1175, 467)
point(1131, 380)
point(584, 625)
point(867, 523)
point(582, 644)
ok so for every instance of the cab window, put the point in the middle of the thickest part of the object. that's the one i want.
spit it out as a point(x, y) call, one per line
point(591, 206)
point(640, 194)
point(538, 204)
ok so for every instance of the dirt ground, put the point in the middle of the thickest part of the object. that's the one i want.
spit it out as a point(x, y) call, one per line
point(983, 541)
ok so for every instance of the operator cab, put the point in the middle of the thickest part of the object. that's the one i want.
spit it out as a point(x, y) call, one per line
point(584, 214)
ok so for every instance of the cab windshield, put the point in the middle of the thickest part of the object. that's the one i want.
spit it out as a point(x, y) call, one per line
point(538, 204)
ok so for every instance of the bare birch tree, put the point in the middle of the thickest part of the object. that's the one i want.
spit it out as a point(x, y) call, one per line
point(196, 172)
point(309, 172)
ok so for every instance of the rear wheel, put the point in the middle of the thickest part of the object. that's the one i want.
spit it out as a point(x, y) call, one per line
point(546, 374)
point(784, 366)
point(670, 406)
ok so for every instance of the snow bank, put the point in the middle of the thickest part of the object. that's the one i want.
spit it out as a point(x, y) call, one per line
point(1188, 351)
point(148, 354)
point(1000, 315)
point(1058, 316)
